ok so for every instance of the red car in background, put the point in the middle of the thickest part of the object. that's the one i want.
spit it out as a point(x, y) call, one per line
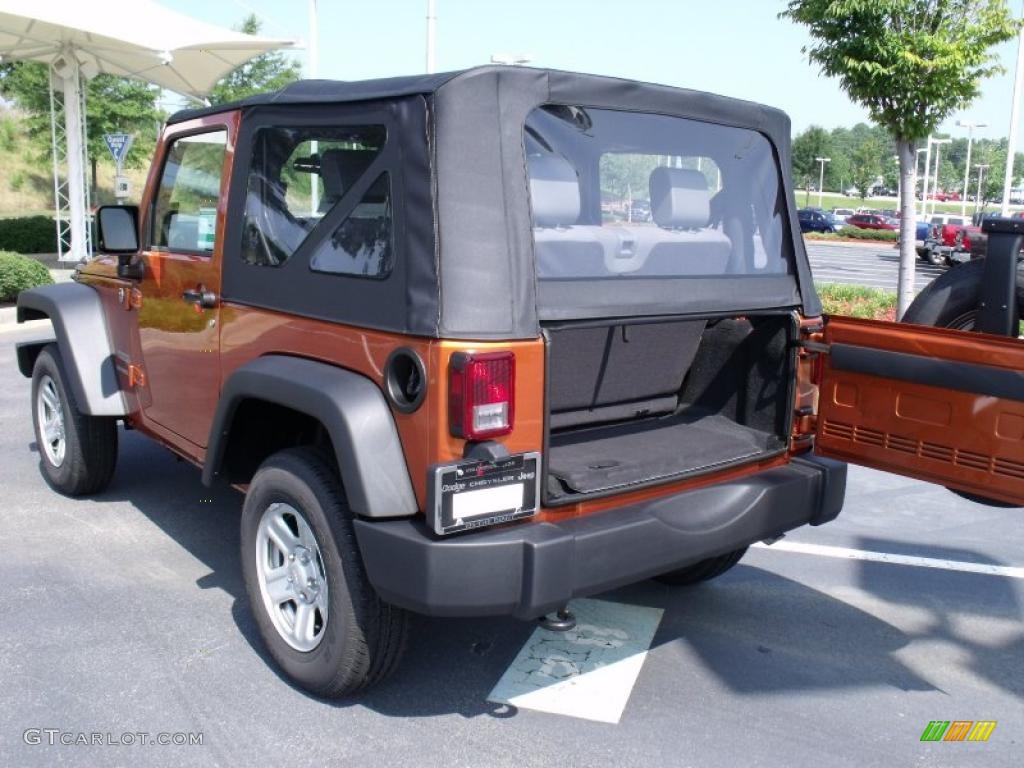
point(950, 244)
point(869, 221)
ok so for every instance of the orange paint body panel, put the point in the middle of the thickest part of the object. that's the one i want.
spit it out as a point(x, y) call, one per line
point(968, 441)
point(248, 333)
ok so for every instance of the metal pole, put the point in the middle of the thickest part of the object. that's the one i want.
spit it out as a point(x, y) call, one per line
point(76, 171)
point(927, 177)
point(1011, 145)
point(967, 166)
point(917, 153)
point(312, 72)
point(431, 36)
point(967, 169)
point(977, 199)
point(821, 176)
point(58, 208)
point(938, 147)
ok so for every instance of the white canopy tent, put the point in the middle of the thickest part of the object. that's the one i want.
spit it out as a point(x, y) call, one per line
point(138, 39)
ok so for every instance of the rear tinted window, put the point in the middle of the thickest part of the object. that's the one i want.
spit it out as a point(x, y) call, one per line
point(624, 194)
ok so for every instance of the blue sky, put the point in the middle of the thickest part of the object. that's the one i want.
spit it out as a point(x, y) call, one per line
point(732, 47)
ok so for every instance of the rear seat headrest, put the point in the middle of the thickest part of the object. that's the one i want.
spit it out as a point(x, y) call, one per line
point(339, 170)
point(554, 191)
point(679, 198)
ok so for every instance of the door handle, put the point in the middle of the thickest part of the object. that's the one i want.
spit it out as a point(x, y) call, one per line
point(204, 299)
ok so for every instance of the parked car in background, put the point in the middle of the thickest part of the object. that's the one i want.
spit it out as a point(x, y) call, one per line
point(977, 244)
point(948, 218)
point(640, 211)
point(870, 221)
point(815, 221)
point(838, 222)
point(949, 244)
point(843, 212)
point(921, 235)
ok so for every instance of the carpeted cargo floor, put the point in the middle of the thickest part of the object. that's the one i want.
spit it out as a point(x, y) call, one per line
point(600, 458)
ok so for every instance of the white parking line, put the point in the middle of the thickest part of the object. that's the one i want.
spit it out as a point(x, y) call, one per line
point(1006, 571)
point(588, 672)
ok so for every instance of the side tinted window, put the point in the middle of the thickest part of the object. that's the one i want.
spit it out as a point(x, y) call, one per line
point(185, 209)
point(362, 243)
point(296, 176)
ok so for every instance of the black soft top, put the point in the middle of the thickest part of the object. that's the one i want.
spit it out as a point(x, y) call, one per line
point(330, 92)
point(467, 259)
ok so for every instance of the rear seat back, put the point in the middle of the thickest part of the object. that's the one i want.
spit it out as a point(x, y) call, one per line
point(683, 242)
point(621, 372)
point(563, 249)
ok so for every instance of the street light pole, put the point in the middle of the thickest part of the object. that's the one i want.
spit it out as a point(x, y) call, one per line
point(821, 176)
point(1011, 145)
point(312, 72)
point(967, 166)
point(938, 147)
point(927, 176)
point(977, 199)
point(917, 154)
point(431, 36)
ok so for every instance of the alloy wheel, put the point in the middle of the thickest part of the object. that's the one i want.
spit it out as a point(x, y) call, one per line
point(292, 577)
point(50, 419)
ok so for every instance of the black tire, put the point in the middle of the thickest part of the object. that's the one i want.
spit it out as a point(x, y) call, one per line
point(935, 258)
point(702, 571)
point(90, 442)
point(951, 301)
point(363, 637)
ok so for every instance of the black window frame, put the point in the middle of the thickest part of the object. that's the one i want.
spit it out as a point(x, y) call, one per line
point(294, 287)
point(150, 223)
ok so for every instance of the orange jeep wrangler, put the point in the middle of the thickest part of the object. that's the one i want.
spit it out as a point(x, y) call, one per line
point(419, 323)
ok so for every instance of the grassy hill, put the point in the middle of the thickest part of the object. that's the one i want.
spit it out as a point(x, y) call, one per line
point(26, 172)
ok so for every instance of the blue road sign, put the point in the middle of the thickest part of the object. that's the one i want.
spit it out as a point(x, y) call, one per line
point(118, 144)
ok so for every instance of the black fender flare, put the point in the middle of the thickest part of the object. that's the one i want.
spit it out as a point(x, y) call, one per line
point(80, 327)
point(351, 408)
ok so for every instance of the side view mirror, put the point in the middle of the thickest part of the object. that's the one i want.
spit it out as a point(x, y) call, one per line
point(117, 229)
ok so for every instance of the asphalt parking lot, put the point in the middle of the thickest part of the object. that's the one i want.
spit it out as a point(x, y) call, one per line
point(871, 265)
point(126, 613)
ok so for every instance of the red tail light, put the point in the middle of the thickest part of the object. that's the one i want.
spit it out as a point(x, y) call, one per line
point(481, 394)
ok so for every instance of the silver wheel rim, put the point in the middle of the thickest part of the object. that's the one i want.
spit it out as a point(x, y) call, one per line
point(292, 578)
point(50, 419)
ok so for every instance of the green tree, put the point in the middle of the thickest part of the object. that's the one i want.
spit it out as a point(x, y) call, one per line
point(112, 104)
point(268, 72)
point(911, 64)
point(807, 147)
point(865, 167)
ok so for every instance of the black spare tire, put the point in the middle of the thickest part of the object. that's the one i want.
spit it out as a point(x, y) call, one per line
point(951, 301)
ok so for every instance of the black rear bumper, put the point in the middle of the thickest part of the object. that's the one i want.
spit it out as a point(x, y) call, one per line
point(530, 569)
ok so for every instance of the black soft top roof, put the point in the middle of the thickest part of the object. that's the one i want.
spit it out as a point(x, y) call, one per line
point(465, 138)
point(330, 92)
point(347, 91)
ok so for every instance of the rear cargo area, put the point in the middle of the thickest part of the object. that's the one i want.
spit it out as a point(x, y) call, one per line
point(632, 403)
